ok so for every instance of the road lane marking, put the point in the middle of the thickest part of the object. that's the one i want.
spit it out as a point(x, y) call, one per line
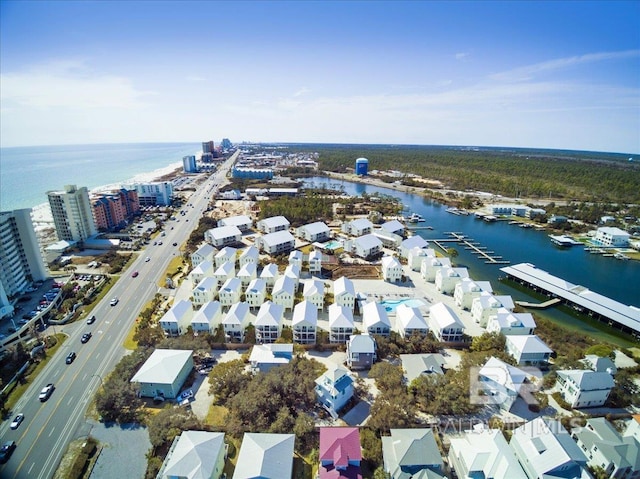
point(69, 401)
point(29, 471)
point(52, 430)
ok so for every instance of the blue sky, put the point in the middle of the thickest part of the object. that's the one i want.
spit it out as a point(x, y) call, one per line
point(527, 74)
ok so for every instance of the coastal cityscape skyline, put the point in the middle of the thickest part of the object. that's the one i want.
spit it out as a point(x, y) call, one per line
point(490, 74)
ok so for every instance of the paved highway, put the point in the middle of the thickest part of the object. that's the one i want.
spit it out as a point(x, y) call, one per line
point(50, 426)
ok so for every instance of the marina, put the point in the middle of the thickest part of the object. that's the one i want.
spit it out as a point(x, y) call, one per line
point(489, 256)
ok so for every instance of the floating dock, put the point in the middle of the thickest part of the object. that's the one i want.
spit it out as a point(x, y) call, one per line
point(489, 256)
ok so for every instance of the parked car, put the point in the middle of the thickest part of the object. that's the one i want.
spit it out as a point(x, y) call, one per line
point(6, 450)
point(46, 392)
point(15, 424)
point(70, 357)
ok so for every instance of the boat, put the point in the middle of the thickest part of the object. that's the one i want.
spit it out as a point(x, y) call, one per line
point(415, 218)
point(490, 218)
point(563, 241)
point(621, 256)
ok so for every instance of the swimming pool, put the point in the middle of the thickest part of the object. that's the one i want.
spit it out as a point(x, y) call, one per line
point(333, 244)
point(390, 305)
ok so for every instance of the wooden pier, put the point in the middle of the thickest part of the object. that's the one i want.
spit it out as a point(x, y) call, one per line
point(546, 304)
point(489, 256)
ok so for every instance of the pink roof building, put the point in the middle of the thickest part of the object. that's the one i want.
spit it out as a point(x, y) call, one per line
point(340, 453)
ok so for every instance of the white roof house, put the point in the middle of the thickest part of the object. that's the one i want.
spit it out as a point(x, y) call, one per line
point(224, 272)
point(367, 246)
point(358, 227)
point(273, 224)
point(195, 455)
point(313, 292)
point(528, 350)
point(242, 222)
point(361, 351)
point(340, 323)
point(467, 289)
point(223, 236)
point(499, 383)
point(265, 455)
point(444, 323)
point(447, 278)
point(415, 241)
point(256, 292)
point(279, 242)
point(267, 356)
point(598, 364)
point(430, 266)
point(334, 389)
point(484, 453)
point(205, 290)
point(293, 271)
point(315, 261)
point(314, 232)
point(206, 252)
point(207, 318)
point(375, 319)
point(487, 305)
point(295, 257)
point(284, 291)
point(164, 373)
point(247, 273)
point(612, 236)
point(225, 255)
point(249, 255)
point(269, 322)
point(393, 226)
point(176, 321)
point(304, 323)
point(235, 322)
point(417, 255)
point(545, 449)
point(269, 274)
point(229, 293)
point(389, 240)
point(409, 321)
point(584, 388)
point(416, 365)
point(344, 292)
point(391, 269)
point(203, 270)
point(509, 323)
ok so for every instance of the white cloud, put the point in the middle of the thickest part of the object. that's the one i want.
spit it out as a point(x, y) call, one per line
point(195, 78)
point(462, 55)
point(302, 91)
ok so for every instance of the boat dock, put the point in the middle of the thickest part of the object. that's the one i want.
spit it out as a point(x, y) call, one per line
point(546, 304)
point(489, 256)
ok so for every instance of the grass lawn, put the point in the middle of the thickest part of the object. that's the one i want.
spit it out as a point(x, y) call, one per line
point(216, 416)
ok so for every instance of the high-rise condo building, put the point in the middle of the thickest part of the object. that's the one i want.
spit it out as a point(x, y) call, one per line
point(207, 147)
point(189, 164)
point(158, 193)
point(21, 262)
point(72, 214)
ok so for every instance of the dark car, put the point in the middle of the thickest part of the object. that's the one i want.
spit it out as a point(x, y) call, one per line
point(85, 337)
point(70, 357)
point(91, 319)
point(17, 421)
point(134, 274)
point(175, 244)
point(6, 450)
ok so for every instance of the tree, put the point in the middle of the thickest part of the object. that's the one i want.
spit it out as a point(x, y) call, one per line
point(371, 447)
point(227, 380)
point(488, 342)
point(169, 423)
point(387, 376)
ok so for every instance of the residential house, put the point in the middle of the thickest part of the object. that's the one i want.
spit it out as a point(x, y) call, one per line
point(273, 224)
point(447, 278)
point(430, 266)
point(484, 454)
point(344, 292)
point(416, 365)
point(206, 252)
point(584, 388)
point(296, 257)
point(509, 324)
point(176, 321)
point(340, 323)
point(612, 237)
point(207, 318)
point(280, 242)
point(467, 290)
point(256, 293)
point(249, 255)
point(242, 222)
point(235, 322)
point(313, 292)
point(528, 350)
point(205, 291)
point(358, 227)
point(317, 232)
point(409, 321)
point(394, 227)
point(293, 271)
point(195, 455)
point(633, 427)
point(417, 255)
point(164, 373)
point(545, 450)
point(415, 241)
point(315, 262)
point(226, 255)
point(334, 389)
point(361, 351)
point(391, 269)
point(598, 364)
point(412, 453)
point(269, 322)
point(223, 236)
point(445, 325)
point(224, 272)
point(230, 292)
point(304, 323)
point(268, 456)
point(247, 273)
point(367, 246)
point(284, 291)
point(269, 274)
point(264, 357)
point(498, 383)
point(204, 270)
point(487, 305)
point(389, 240)
point(375, 319)
point(340, 453)
point(605, 447)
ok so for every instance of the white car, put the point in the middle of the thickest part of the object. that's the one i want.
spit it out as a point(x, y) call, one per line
point(147, 259)
point(114, 301)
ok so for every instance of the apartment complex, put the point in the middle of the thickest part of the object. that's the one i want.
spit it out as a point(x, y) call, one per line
point(115, 209)
point(72, 213)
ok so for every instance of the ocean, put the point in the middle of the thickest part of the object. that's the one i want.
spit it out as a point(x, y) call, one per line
point(27, 173)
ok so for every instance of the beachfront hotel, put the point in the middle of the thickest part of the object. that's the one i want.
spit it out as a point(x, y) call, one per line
point(20, 258)
point(72, 213)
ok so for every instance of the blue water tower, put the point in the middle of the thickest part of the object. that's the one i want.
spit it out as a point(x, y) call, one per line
point(362, 166)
